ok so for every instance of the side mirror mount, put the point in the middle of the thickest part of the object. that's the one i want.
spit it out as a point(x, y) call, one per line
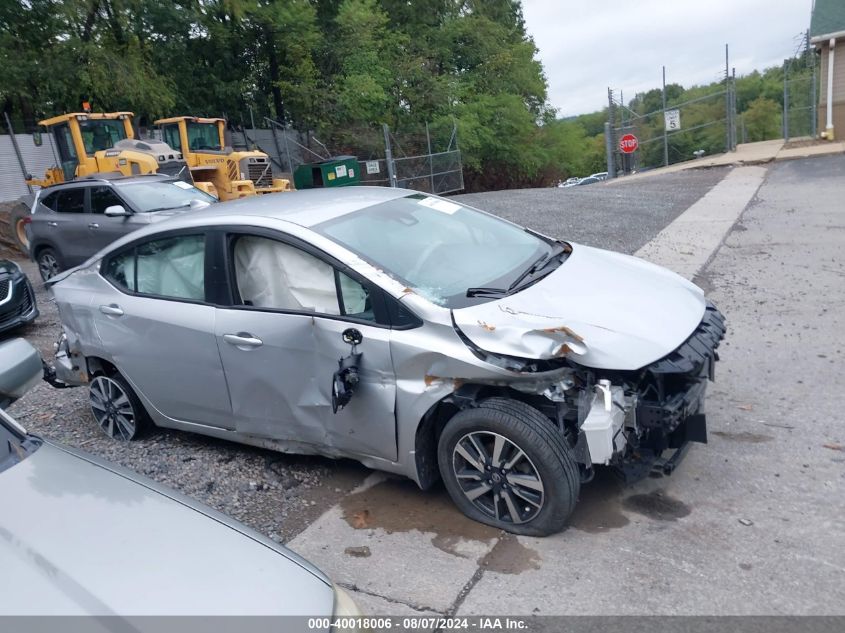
point(116, 210)
point(199, 204)
point(20, 369)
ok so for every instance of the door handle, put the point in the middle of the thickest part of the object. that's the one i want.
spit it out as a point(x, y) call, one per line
point(93, 225)
point(243, 340)
point(111, 310)
point(51, 223)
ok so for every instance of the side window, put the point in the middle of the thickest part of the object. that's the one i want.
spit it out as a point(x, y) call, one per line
point(120, 270)
point(271, 274)
point(170, 134)
point(49, 201)
point(102, 198)
point(170, 267)
point(70, 200)
point(354, 298)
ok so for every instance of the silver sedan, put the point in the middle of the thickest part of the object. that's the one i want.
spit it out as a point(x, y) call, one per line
point(409, 332)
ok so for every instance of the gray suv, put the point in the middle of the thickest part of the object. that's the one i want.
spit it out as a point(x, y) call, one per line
point(72, 221)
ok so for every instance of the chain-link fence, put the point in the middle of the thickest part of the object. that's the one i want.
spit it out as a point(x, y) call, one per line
point(683, 130)
point(800, 97)
point(425, 158)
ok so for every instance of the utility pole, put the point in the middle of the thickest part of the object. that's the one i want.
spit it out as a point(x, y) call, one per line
point(665, 132)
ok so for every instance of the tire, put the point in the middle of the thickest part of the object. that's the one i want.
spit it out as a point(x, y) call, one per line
point(116, 408)
point(16, 219)
point(511, 501)
point(49, 263)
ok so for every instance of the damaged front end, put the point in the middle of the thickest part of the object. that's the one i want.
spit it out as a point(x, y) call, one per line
point(625, 419)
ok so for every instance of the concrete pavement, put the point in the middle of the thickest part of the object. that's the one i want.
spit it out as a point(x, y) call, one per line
point(758, 153)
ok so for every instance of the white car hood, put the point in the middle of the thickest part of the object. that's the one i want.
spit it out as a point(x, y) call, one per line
point(602, 309)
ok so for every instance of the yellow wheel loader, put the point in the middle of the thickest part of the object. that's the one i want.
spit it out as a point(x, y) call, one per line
point(89, 143)
point(232, 174)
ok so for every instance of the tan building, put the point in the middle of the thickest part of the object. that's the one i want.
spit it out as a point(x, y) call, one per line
point(827, 34)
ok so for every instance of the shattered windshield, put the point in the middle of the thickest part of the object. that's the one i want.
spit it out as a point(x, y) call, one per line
point(438, 248)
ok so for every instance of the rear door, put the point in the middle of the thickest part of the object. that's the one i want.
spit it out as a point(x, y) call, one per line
point(282, 337)
point(68, 226)
point(155, 323)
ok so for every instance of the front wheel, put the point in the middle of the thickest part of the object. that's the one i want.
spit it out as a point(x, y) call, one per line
point(505, 464)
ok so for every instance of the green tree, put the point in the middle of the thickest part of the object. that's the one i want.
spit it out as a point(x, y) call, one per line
point(762, 119)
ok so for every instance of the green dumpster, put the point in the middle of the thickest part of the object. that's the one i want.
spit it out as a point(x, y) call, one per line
point(334, 172)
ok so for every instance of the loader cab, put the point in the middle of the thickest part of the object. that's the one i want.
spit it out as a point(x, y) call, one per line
point(193, 135)
point(79, 136)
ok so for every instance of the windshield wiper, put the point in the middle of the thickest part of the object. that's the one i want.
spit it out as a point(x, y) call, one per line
point(486, 292)
point(178, 206)
point(533, 268)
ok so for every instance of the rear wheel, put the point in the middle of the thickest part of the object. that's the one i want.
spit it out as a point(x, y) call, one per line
point(116, 408)
point(506, 465)
point(48, 263)
point(18, 219)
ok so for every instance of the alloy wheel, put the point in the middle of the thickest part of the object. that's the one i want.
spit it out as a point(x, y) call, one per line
point(498, 477)
point(48, 266)
point(112, 408)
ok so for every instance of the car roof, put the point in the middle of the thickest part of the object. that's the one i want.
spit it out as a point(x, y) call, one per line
point(108, 179)
point(305, 207)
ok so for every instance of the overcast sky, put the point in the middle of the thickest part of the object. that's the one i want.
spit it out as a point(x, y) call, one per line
point(587, 46)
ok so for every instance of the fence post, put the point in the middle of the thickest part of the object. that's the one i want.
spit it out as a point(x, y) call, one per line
point(17, 151)
point(785, 104)
point(727, 102)
point(665, 133)
point(430, 158)
point(608, 136)
point(814, 108)
point(388, 156)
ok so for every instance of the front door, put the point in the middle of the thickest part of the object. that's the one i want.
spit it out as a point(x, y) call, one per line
point(282, 340)
point(104, 229)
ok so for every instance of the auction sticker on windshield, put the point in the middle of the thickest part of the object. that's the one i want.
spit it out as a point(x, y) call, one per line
point(440, 205)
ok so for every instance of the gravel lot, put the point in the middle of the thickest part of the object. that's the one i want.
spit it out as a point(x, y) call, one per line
point(279, 494)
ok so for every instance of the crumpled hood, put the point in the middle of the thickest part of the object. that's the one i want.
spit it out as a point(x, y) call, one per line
point(602, 309)
point(78, 537)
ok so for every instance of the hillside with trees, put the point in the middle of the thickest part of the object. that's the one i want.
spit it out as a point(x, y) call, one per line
point(330, 67)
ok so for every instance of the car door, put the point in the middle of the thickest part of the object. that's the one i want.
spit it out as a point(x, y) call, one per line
point(67, 226)
point(282, 338)
point(102, 229)
point(159, 330)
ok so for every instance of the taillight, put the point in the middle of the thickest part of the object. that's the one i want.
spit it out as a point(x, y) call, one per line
point(27, 220)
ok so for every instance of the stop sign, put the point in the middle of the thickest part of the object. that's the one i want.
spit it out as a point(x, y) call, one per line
point(628, 144)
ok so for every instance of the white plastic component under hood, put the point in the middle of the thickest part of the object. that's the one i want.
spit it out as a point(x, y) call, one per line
point(602, 309)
